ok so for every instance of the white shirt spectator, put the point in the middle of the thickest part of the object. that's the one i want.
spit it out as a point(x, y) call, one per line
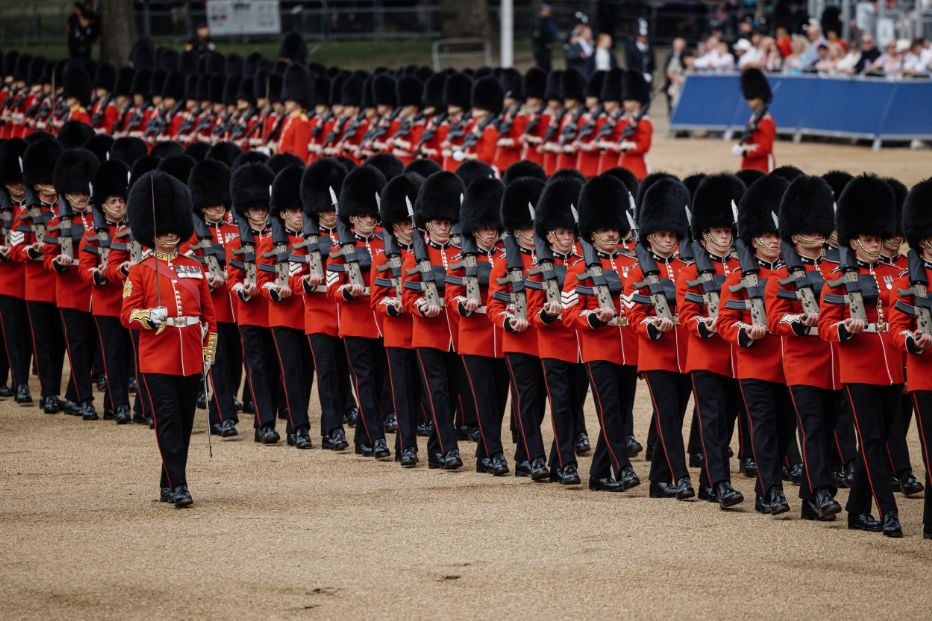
point(603, 59)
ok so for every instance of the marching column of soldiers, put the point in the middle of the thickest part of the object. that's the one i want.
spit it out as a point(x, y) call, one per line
point(445, 252)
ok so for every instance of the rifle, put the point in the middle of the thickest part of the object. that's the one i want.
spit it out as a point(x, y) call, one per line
point(470, 266)
point(548, 273)
point(428, 284)
point(280, 253)
point(240, 128)
point(752, 125)
point(629, 130)
point(595, 274)
point(431, 130)
point(710, 282)
point(136, 119)
point(392, 265)
point(336, 132)
point(554, 125)
point(37, 219)
point(514, 274)
point(749, 283)
point(507, 120)
point(347, 242)
point(569, 130)
point(312, 243)
point(205, 242)
point(801, 279)
point(535, 120)
point(473, 137)
point(65, 240)
point(134, 247)
point(319, 127)
point(98, 117)
point(6, 218)
point(202, 125)
point(589, 126)
point(102, 232)
point(247, 250)
point(222, 127)
point(921, 307)
point(656, 295)
point(853, 297)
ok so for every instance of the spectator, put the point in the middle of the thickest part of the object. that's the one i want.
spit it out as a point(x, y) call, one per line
point(890, 63)
point(673, 69)
point(747, 55)
point(640, 54)
point(771, 59)
point(848, 63)
point(716, 56)
point(784, 42)
point(811, 55)
point(794, 63)
point(201, 41)
point(543, 38)
point(825, 64)
point(833, 40)
point(580, 49)
point(917, 60)
point(869, 53)
point(82, 30)
point(604, 58)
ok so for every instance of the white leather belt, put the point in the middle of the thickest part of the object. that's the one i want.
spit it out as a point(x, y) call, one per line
point(182, 321)
point(481, 310)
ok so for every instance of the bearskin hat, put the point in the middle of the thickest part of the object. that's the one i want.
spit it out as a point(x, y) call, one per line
point(38, 136)
point(74, 171)
point(316, 182)
point(513, 84)
point(554, 85)
point(293, 48)
point(625, 176)
point(76, 83)
point(787, 172)
point(99, 145)
point(434, 91)
point(360, 195)
point(249, 157)
point(214, 62)
point(105, 77)
point(159, 76)
point(692, 183)
point(281, 161)
point(899, 193)
point(389, 165)
point(837, 179)
point(250, 186)
point(535, 83)
point(471, 170)
point(645, 184)
point(141, 166)
point(807, 206)
point(170, 201)
point(234, 65)
point(865, 207)
point(178, 166)
point(215, 88)
point(226, 152)
point(245, 91)
point(336, 87)
point(230, 89)
point(750, 175)
point(519, 202)
point(602, 204)
point(754, 85)
point(174, 86)
point(663, 208)
point(394, 208)
point(204, 82)
point(142, 54)
point(553, 209)
point(142, 81)
point(124, 82)
point(457, 90)
point(572, 85)
point(567, 173)
point(348, 164)
point(286, 190)
point(487, 94)
point(439, 198)
point(383, 90)
point(351, 92)
point(523, 168)
point(190, 87)
point(635, 87)
point(197, 150)
point(594, 85)
point(251, 64)
point(917, 214)
point(167, 149)
point(74, 134)
point(39, 160)
point(410, 91)
point(758, 207)
point(297, 86)
point(111, 179)
point(612, 85)
point(11, 151)
point(187, 62)
point(481, 205)
point(423, 167)
point(712, 202)
point(209, 182)
point(21, 69)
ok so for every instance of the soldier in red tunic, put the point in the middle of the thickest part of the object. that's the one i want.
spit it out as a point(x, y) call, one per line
point(756, 144)
point(166, 298)
point(297, 93)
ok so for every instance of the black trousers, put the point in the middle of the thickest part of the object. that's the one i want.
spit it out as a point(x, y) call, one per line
point(466, 406)
point(174, 398)
point(606, 380)
point(669, 394)
point(716, 402)
point(897, 451)
point(403, 380)
point(262, 372)
point(117, 355)
point(527, 393)
point(487, 387)
point(771, 427)
point(16, 337)
point(816, 413)
point(4, 361)
point(436, 369)
point(922, 402)
point(873, 409)
point(80, 337)
point(229, 355)
point(297, 373)
point(566, 390)
point(580, 383)
point(739, 419)
point(630, 388)
point(48, 345)
point(846, 442)
point(332, 379)
point(142, 405)
point(363, 356)
point(694, 444)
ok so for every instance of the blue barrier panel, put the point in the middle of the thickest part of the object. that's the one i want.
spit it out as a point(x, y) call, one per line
point(812, 105)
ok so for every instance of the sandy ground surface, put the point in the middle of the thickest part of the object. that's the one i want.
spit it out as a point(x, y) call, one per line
point(280, 533)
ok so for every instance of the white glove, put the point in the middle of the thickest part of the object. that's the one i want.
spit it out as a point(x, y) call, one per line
point(738, 149)
point(158, 315)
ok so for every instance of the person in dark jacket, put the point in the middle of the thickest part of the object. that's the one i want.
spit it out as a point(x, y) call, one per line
point(543, 38)
point(640, 53)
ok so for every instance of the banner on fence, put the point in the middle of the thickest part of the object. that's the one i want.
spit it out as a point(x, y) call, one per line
point(243, 17)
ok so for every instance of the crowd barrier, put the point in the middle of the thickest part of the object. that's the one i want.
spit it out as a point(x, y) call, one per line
point(862, 108)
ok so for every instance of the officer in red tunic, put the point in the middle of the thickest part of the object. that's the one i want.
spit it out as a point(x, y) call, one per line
point(806, 220)
point(596, 308)
point(136, 118)
point(557, 340)
point(74, 172)
point(756, 144)
point(13, 319)
point(452, 132)
point(403, 137)
point(533, 118)
point(708, 358)
point(909, 323)
point(436, 210)
point(297, 94)
point(103, 111)
point(584, 144)
point(662, 338)
point(76, 93)
point(558, 144)
point(348, 282)
point(871, 364)
point(637, 130)
point(482, 137)
point(109, 202)
point(394, 322)
point(511, 125)
point(167, 298)
point(209, 182)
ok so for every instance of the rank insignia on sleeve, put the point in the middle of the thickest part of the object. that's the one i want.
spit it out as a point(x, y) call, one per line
point(127, 288)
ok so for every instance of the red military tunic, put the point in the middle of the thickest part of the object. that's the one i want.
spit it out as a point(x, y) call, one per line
point(704, 352)
point(255, 311)
point(71, 290)
point(356, 315)
point(321, 314)
point(395, 325)
point(587, 161)
point(287, 312)
point(296, 134)
point(39, 282)
point(500, 311)
point(476, 335)
point(918, 363)
point(433, 332)
point(535, 127)
point(13, 272)
point(508, 147)
point(222, 233)
point(557, 338)
point(106, 298)
point(635, 158)
point(657, 351)
point(761, 158)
